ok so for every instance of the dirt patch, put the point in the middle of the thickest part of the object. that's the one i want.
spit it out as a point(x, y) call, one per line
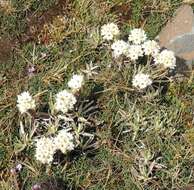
point(35, 23)
point(123, 11)
point(6, 47)
point(190, 187)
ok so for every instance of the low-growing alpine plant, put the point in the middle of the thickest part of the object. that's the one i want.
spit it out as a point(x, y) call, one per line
point(58, 131)
point(145, 56)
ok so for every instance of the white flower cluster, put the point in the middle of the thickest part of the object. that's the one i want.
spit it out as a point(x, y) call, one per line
point(64, 141)
point(65, 101)
point(137, 36)
point(138, 46)
point(151, 47)
point(109, 31)
point(45, 150)
point(141, 81)
point(134, 52)
point(166, 58)
point(133, 48)
point(25, 102)
point(119, 47)
point(46, 147)
point(76, 82)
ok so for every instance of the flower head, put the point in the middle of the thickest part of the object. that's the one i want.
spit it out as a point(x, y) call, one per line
point(65, 101)
point(141, 81)
point(64, 141)
point(31, 70)
point(18, 167)
point(36, 187)
point(151, 47)
point(25, 102)
point(109, 31)
point(119, 47)
point(76, 82)
point(166, 58)
point(134, 52)
point(137, 36)
point(45, 150)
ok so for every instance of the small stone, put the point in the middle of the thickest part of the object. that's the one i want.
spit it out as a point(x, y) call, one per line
point(180, 25)
point(178, 36)
point(183, 46)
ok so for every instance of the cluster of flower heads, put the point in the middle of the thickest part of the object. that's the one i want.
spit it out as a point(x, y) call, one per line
point(46, 147)
point(109, 31)
point(45, 150)
point(25, 102)
point(64, 102)
point(141, 81)
point(138, 46)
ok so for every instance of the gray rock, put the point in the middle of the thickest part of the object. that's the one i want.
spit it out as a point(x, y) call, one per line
point(178, 36)
point(183, 46)
point(180, 25)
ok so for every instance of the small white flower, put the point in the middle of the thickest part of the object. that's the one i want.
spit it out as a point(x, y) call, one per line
point(45, 150)
point(25, 102)
point(119, 47)
point(109, 31)
point(166, 58)
point(76, 82)
point(141, 81)
point(137, 36)
point(18, 167)
point(151, 47)
point(65, 101)
point(36, 187)
point(134, 52)
point(64, 141)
